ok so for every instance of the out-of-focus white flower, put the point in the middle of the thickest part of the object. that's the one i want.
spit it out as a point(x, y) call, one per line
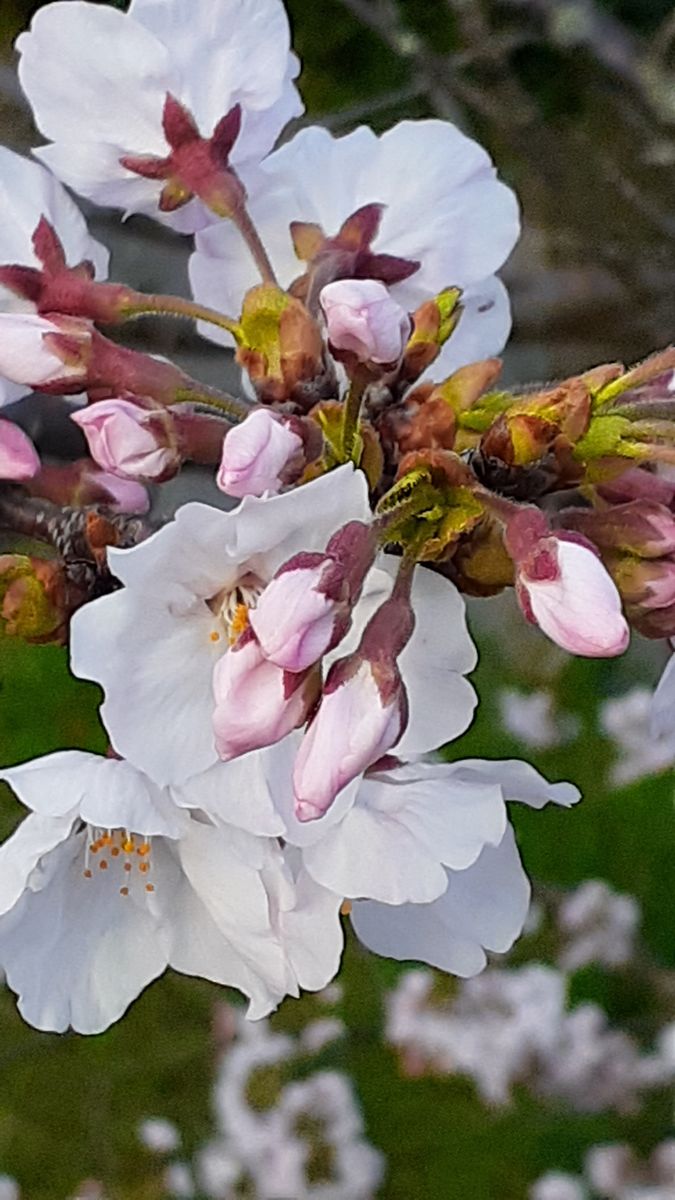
point(512, 1027)
point(158, 1135)
point(641, 750)
point(532, 719)
point(321, 1033)
point(111, 879)
point(555, 1185)
point(179, 1181)
point(28, 192)
point(209, 54)
point(598, 926)
point(9, 1188)
point(429, 209)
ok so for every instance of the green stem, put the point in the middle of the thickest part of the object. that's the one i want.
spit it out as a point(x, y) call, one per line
point(200, 393)
point(176, 306)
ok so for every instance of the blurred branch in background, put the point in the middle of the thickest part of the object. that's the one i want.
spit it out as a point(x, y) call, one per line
point(580, 111)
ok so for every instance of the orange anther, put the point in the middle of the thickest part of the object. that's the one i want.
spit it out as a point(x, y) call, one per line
point(115, 851)
point(124, 891)
point(149, 887)
point(106, 840)
point(239, 622)
point(128, 846)
point(144, 849)
point(127, 866)
point(95, 847)
point(103, 864)
point(144, 867)
point(87, 874)
point(215, 636)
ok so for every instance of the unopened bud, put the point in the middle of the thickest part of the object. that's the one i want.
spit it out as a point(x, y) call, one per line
point(363, 321)
point(280, 345)
point(640, 527)
point(306, 609)
point(362, 714)
point(130, 440)
point(19, 460)
point(563, 587)
point(260, 455)
point(432, 324)
point(256, 702)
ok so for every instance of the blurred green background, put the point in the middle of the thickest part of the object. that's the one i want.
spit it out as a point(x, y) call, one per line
point(577, 104)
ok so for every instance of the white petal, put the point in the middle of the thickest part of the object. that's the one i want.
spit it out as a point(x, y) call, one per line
point(156, 672)
point(55, 784)
point(22, 851)
point(93, 170)
point(518, 781)
point(91, 73)
point(236, 793)
point(415, 932)
point(312, 934)
point(77, 952)
point(438, 654)
point(27, 193)
point(224, 52)
point(235, 897)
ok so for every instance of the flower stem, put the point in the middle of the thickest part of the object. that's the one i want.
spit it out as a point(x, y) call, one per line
point(200, 393)
point(249, 233)
point(177, 306)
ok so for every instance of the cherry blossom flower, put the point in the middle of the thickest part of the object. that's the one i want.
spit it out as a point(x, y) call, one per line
point(210, 55)
point(428, 213)
point(188, 590)
point(132, 882)
point(425, 852)
point(28, 193)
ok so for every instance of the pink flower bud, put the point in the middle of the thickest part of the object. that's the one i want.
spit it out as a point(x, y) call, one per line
point(256, 454)
point(306, 609)
point(121, 495)
point(19, 459)
point(257, 703)
point(362, 714)
point(363, 319)
point(40, 353)
point(564, 589)
point(129, 440)
point(355, 726)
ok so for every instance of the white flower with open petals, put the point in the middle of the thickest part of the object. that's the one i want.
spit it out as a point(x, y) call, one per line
point(110, 879)
point(429, 213)
point(27, 193)
point(97, 80)
point(154, 644)
point(426, 854)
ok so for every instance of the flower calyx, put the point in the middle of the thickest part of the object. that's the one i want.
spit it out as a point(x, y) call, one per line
point(346, 255)
point(195, 166)
point(433, 504)
point(432, 324)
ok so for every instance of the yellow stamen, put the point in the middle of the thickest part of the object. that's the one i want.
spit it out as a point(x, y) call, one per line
point(238, 623)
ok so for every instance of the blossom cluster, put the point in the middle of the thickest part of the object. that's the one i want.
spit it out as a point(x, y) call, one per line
point(514, 1025)
point(279, 674)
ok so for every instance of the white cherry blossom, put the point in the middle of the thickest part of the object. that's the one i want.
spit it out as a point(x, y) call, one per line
point(97, 80)
point(444, 208)
point(111, 879)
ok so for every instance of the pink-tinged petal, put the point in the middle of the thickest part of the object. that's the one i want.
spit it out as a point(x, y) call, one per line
point(19, 460)
point(256, 702)
point(294, 620)
point(26, 356)
point(580, 609)
point(363, 319)
point(255, 455)
point(129, 440)
point(353, 727)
